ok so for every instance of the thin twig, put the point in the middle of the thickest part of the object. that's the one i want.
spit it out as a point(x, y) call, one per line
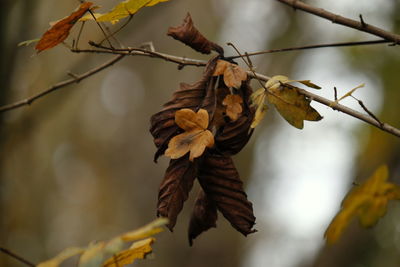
point(111, 34)
point(17, 257)
point(358, 25)
point(78, 78)
point(75, 46)
point(367, 110)
point(194, 62)
point(296, 48)
point(249, 64)
point(101, 28)
point(143, 52)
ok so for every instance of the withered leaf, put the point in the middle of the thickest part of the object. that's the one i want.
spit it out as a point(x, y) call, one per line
point(138, 250)
point(175, 188)
point(233, 106)
point(368, 201)
point(190, 36)
point(60, 31)
point(220, 181)
point(204, 216)
point(234, 135)
point(292, 105)
point(198, 95)
point(258, 101)
point(196, 137)
point(233, 74)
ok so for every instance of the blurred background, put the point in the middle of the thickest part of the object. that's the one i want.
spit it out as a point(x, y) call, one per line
point(77, 166)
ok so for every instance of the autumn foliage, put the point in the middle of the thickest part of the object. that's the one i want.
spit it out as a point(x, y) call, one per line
point(210, 118)
point(200, 128)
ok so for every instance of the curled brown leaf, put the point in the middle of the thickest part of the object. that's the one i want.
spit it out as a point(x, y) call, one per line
point(175, 188)
point(204, 216)
point(220, 181)
point(189, 35)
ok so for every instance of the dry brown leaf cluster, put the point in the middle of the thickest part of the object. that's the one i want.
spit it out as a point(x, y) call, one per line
point(200, 128)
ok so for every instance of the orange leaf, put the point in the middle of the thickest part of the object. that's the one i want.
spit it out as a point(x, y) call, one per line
point(233, 106)
point(196, 136)
point(60, 31)
point(233, 74)
point(221, 67)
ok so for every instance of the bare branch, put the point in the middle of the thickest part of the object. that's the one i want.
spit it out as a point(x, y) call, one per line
point(182, 61)
point(143, 52)
point(296, 48)
point(358, 25)
point(59, 85)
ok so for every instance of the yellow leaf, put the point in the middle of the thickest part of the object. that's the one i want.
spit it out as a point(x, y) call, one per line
point(309, 84)
point(93, 255)
point(150, 229)
point(276, 81)
point(138, 250)
point(233, 74)
point(123, 10)
point(196, 136)
point(291, 104)
point(258, 100)
point(368, 201)
point(233, 106)
point(349, 93)
point(154, 2)
point(65, 254)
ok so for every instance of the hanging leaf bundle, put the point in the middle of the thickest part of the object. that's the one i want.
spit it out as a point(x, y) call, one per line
point(200, 128)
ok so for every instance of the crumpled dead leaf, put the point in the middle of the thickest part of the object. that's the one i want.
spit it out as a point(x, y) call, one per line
point(190, 36)
point(195, 138)
point(60, 30)
point(233, 74)
point(204, 216)
point(233, 105)
point(367, 201)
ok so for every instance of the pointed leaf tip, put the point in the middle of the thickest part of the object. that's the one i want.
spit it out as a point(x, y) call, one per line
point(60, 31)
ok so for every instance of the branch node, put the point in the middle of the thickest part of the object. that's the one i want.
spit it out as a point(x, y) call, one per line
point(148, 46)
point(75, 76)
point(363, 24)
